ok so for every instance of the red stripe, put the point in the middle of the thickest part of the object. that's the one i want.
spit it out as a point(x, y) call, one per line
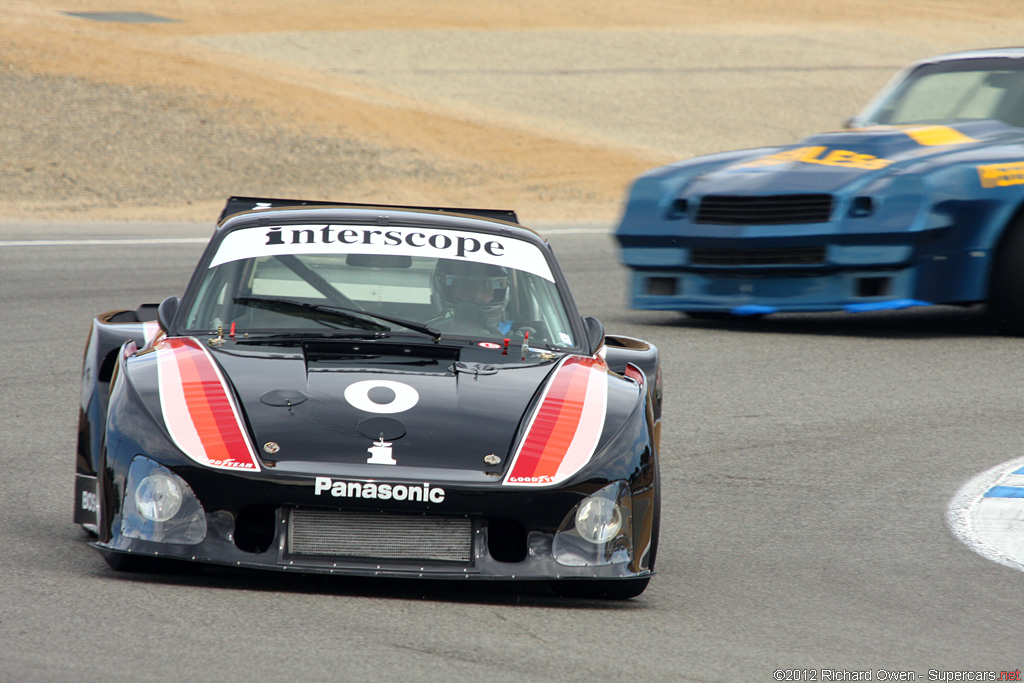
point(209, 406)
point(555, 423)
point(570, 408)
point(197, 399)
point(211, 411)
point(543, 425)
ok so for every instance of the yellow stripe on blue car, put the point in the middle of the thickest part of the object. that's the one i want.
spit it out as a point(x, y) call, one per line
point(937, 136)
point(1001, 175)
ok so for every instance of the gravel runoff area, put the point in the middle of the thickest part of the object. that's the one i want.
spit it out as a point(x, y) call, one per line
point(547, 107)
point(107, 146)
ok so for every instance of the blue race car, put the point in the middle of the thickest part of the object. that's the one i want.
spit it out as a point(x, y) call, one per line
point(918, 202)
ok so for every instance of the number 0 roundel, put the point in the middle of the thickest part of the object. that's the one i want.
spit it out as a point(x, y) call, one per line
point(358, 395)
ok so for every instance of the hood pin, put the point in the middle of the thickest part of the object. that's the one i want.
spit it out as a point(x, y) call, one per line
point(271, 447)
point(492, 459)
point(219, 339)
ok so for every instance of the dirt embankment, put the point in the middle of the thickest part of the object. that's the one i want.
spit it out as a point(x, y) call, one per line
point(550, 108)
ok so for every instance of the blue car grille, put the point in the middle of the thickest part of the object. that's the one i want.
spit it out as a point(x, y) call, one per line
point(382, 537)
point(800, 256)
point(765, 210)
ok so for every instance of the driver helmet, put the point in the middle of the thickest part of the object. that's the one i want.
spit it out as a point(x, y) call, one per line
point(457, 284)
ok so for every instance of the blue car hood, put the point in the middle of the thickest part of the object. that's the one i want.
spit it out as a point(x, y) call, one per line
point(829, 162)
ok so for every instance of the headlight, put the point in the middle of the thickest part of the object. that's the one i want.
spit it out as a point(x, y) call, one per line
point(160, 506)
point(598, 531)
point(158, 497)
point(598, 519)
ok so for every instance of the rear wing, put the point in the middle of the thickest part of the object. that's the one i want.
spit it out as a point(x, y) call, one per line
point(236, 204)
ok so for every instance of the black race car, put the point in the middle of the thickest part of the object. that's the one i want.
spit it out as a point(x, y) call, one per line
point(375, 391)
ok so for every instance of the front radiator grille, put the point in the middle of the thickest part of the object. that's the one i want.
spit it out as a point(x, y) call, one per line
point(765, 210)
point(800, 256)
point(395, 537)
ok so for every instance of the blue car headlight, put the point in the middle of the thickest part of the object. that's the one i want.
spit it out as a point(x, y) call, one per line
point(160, 506)
point(599, 530)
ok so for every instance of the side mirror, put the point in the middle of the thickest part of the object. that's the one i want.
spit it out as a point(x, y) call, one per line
point(166, 312)
point(595, 333)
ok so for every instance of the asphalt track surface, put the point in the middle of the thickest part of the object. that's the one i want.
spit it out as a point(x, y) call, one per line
point(807, 464)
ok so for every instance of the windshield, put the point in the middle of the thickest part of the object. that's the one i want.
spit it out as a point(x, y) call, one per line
point(317, 278)
point(955, 92)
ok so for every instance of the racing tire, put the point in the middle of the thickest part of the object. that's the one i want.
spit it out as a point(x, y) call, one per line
point(622, 589)
point(721, 316)
point(144, 564)
point(1006, 289)
point(707, 315)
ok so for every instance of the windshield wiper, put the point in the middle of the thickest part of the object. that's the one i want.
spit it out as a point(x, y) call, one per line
point(408, 324)
point(351, 316)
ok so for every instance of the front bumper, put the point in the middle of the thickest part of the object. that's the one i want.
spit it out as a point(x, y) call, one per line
point(959, 277)
point(539, 564)
point(504, 539)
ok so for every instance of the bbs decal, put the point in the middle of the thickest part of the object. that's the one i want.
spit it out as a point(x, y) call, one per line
point(90, 501)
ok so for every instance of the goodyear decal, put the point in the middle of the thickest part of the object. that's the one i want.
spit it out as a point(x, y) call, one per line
point(821, 155)
point(1001, 175)
point(563, 431)
point(198, 408)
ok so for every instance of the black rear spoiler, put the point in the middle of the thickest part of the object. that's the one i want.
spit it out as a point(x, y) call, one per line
point(236, 204)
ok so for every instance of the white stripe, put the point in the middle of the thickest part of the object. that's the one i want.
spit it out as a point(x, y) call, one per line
point(590, 426)
point(175, 408)
point(104, 242)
